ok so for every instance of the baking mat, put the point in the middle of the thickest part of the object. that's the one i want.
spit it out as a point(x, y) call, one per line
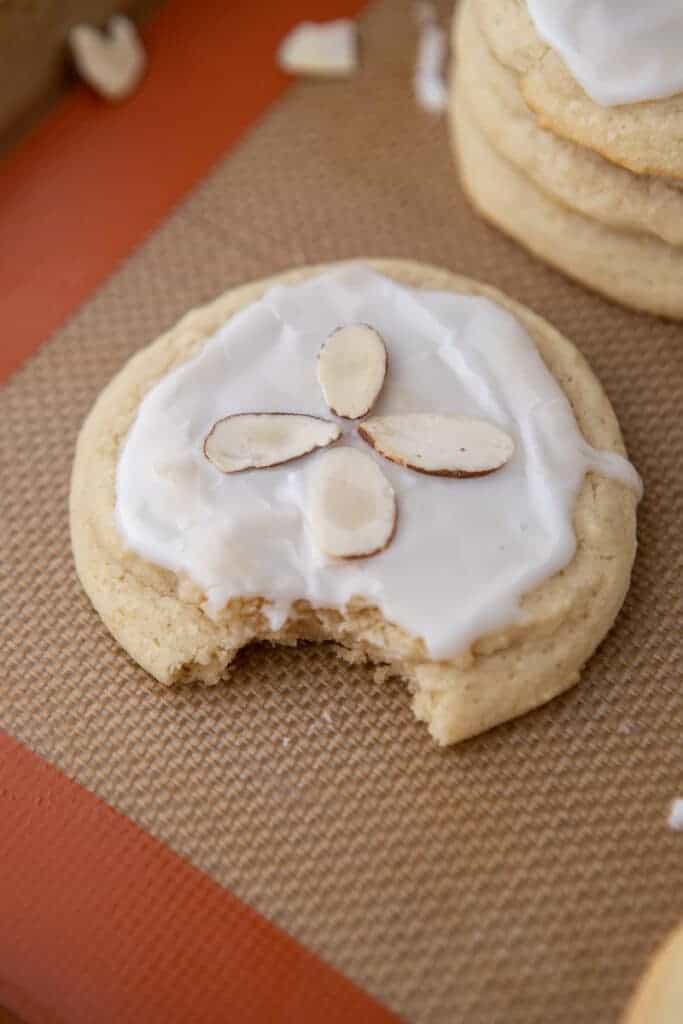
point(521, 877)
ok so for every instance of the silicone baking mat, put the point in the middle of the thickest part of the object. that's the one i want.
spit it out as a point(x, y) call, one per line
point(521, 877)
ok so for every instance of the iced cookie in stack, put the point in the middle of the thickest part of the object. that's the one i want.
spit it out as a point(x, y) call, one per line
point(568, 126)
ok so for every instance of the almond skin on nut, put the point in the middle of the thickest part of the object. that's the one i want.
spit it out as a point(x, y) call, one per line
point(440, 445)
point(352, 365)
point(259, 440)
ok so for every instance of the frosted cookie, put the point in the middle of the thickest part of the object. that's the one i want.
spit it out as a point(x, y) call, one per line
point(607, 81)
point(576, 177)
point(637, 271)
point(659, 996)
point(510, 32)
point(549, 182)
point(383, 455)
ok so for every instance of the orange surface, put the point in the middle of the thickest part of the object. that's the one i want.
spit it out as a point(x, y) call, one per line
point(101, 924)
point(93, 180)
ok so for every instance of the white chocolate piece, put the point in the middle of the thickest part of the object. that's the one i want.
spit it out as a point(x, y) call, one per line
point(675, 819)
point(111, 62)
point(429, 80)
point(320, 48)
point(440, 445)
point(352, 511)
point(261, 439)
point(352, 365)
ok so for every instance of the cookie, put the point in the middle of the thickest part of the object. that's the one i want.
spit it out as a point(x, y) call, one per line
point(574, 176)
point(659, 996)
point(469, 525)
point(637, 271)
point(646, 138)
point(643, 135)
point(510, 33)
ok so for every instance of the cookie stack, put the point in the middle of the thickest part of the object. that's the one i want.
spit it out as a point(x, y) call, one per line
point(583, 166)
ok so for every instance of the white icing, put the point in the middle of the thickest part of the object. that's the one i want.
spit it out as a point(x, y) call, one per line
point(464, 551)
point(620, 51)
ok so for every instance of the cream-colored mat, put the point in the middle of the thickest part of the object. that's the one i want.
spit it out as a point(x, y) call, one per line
point(520, 878)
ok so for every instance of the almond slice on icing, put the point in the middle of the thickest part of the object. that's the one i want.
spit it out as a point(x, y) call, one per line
point(111, 62)
point(257, 440)
point(438, 444)
point(352, 507)
point(352, 365)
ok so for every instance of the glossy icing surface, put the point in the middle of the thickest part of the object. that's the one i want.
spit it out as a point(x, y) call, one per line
point(620, 51)
point(464, 551)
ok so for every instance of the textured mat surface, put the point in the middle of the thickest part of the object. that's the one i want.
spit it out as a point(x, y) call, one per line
point(520, 878)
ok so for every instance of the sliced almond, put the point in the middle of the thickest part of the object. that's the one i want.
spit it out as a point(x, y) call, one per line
point(352, 505)
point(257, 440)
point(111, 62)
point(439, 445)
point(352, 365)
point(320, 48)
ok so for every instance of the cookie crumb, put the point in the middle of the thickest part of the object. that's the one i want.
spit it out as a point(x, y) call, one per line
point(285, 741)
point(676, 815)
point(320, 48)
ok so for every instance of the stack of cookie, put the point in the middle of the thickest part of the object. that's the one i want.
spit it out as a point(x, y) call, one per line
point(568, 125)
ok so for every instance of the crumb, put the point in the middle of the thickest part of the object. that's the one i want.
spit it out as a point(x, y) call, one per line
point(285, 741)
point(676, 815)
point(431, 90)
point(320, 48)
